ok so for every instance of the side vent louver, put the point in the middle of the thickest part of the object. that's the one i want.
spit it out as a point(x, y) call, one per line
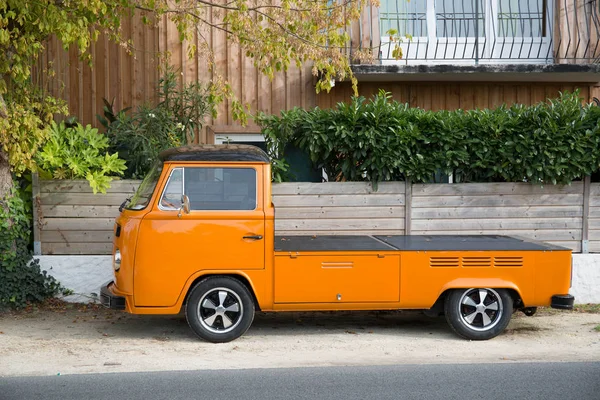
point(443, 262)
point(508, 261)
point(476, 262)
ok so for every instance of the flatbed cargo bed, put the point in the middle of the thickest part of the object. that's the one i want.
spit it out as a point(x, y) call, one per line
point(410, 243)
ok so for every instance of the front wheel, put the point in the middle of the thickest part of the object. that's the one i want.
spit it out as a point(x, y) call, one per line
point(219, 309)
point(478, 313)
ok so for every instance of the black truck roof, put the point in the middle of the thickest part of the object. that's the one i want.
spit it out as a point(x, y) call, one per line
point(215, 152)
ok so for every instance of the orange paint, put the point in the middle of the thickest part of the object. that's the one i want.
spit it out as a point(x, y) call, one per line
point(164, 252)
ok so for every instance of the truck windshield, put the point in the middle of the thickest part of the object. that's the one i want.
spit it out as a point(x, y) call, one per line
point(141, 198)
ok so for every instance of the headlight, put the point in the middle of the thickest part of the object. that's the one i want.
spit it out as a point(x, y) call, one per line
point(117, 260)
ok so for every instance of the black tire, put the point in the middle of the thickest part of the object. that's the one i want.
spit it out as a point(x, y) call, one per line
point(219, 309)
point(529, 311)
point(478, 313)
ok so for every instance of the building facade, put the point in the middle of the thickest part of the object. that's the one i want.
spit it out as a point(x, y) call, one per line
point(457, 54)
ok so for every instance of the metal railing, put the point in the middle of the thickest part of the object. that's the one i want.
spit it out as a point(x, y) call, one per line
point(484, 31)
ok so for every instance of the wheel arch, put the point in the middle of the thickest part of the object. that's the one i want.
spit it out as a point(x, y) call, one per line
point(195, 279)
point(510, 287)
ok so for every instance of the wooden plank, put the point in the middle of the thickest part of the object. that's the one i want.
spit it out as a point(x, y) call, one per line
point(234, 74)
point(495, 96)
point(493, 189)
point(594, 246)
point(78, 224)
point(438, 98)
point(452, 97)
point(109, 199)
point(594, 212)
point(126, 66)
point(524, 94)
point(337, 188)
point(74, 101)
point(338, 224)
point(510, 95)
point(278, 92)
point(539, 234)
point(586, 213)
point(408, 197)
point(481, 97)
point(538, 93)
point(114, 76)
point(139, 67)
point(293, 88)
point(100, 81)
point(496, 224)
point(594, 189)
point(352, 232)
point(594, 224)
point(76, 248)
point(499, 200)
point(501, 212)
point(594, 201)
point(74, 211)
point(571, 244)
point(81, 186)
point(423, 95)
point(338, 212)
point(401, 93)
point(69, 237)
point(467, 97)
point(339, 200)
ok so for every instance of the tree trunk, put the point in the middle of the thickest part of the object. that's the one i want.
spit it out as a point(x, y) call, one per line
point(6, 181)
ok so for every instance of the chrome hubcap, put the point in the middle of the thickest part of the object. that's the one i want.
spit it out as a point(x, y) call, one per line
point(220, 310)
point(480, 309)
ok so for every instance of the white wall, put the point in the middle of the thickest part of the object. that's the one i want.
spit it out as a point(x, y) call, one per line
point(586, 278)
point(82, 274)
point(85, 274)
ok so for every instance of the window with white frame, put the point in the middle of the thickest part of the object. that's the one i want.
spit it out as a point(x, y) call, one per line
point(467, 31)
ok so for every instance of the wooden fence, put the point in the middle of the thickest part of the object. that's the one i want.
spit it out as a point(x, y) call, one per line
point(69, 219)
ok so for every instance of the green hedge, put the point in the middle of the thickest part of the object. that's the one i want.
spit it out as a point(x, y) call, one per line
point(380, 140)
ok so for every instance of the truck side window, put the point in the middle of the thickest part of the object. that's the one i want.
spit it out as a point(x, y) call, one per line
point(171, 197)
point(220, 188)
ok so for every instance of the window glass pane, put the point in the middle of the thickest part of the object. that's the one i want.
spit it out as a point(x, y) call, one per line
point(142, 196)
point(221, 188)
point(459, 18)
point(522, 18)
point(407, 17)
point(171, 198)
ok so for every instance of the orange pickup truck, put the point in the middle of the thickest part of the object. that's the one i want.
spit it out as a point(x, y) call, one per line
point(198, 236)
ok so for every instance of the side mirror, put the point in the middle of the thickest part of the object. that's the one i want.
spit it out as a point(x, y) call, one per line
point(185, 206)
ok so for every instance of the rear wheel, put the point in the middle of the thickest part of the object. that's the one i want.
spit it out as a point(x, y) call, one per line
point(219, 309)
point(478, 313)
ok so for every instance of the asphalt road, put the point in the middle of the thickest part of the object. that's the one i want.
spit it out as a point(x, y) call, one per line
point(529, 381)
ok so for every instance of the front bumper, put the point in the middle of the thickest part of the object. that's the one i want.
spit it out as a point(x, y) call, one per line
point(562, 301)
point(109, 299)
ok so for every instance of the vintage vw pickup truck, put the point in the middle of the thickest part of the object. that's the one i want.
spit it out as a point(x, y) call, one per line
point(198, 236)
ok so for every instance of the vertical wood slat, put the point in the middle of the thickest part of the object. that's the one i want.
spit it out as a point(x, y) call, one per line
point(585, 227)
point(452, 96)
point(408, 206)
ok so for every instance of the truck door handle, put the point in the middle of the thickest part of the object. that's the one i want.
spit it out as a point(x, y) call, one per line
point(253, 237)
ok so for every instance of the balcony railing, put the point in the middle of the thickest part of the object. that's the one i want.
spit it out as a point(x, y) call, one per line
point(482, 31)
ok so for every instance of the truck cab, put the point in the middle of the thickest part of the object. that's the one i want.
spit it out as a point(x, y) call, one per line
point(199, 236)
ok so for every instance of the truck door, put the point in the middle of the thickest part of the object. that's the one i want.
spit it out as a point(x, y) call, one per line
point(224, 230)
